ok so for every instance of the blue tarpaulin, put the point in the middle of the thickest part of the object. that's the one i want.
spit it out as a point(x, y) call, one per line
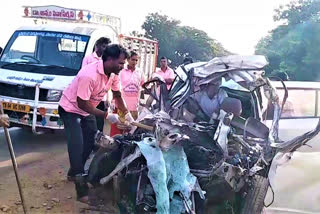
point(169, 173)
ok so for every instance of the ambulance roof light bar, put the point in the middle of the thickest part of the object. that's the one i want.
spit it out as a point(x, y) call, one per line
point(57, 13)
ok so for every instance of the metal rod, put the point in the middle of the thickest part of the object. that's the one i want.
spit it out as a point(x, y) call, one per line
point(14, 162)
point(35, 109)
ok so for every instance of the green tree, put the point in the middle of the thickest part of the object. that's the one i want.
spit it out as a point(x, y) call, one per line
point(294, 47)
point(176, 41)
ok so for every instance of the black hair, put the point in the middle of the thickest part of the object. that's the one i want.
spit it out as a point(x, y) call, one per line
point(103, 40)
point(187, 60)
point(114, 51)
point(132, 53)
point(163, 58)
point(100, 41)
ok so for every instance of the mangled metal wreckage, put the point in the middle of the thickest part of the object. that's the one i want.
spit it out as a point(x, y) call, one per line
point(192, 157)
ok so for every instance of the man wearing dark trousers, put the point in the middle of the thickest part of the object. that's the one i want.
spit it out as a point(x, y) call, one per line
point(77, 109)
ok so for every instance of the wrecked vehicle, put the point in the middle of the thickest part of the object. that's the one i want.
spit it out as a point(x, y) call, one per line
point(193, 160)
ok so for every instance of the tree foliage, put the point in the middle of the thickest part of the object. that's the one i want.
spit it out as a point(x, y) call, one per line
point(294, 47)
point(176, 41)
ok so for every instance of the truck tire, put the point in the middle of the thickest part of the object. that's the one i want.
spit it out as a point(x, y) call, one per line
point(254, 200)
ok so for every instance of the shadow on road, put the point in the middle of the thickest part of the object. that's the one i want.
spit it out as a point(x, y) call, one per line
point(25, 143)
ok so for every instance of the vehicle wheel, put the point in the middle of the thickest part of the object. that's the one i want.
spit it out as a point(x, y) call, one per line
point(102, 164)
point(254, 200)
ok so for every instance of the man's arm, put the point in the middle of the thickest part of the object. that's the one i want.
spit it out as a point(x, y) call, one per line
point(4, 120)
point(85, 88)
point(120, 102)
point(169, 81)
point(86, 106)
point(84, 61)
point(171, 78)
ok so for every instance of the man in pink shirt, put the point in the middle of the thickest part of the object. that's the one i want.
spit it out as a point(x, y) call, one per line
point(99, 47)
point(131, 81)
point(165, 72)
point(77, 109)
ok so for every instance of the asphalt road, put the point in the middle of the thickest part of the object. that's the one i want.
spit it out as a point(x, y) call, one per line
point(28, 145)
point(297, 183)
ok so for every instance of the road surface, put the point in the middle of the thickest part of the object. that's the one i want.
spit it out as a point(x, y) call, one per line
point(43, 165)
point(297, 183)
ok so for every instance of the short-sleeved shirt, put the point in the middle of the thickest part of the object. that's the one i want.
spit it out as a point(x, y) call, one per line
point(90, 59)
point(131, 82)
point(168, 74)
point(209, 106)
point(90, 84)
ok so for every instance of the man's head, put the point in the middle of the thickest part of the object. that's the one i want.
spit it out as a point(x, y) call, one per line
point(133, 59)
point(187, 60)
point(163, 62)
point(212, 88)
point(114, 57)
point(101, 45)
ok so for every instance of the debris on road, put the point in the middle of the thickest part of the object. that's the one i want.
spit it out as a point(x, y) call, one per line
point(57, 200)
point(47, 186)
point(34, 207)
point(4, 208)
point(17, 202)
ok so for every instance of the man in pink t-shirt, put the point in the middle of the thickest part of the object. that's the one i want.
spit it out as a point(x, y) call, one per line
point(165, 72)
point(131, 81)
point(99, 47)
point(77, 108)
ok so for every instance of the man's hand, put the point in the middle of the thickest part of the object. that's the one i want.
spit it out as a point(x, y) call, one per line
point(4, 120)
point(128, 117)
point(169, 81)
point(113, 118)
point(159, 77)
point(123, 126)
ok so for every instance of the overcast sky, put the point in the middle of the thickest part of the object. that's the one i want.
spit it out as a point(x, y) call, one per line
point(237, 24)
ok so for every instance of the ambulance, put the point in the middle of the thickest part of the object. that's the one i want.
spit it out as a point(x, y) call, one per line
point(40, 61)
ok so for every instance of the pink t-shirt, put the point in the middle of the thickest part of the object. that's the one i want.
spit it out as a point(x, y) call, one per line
point(90, 84)
point(168, 74)
point(131, 82)
point(90, 59)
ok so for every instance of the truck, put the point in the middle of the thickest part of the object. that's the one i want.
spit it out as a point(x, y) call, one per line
point(39, 61)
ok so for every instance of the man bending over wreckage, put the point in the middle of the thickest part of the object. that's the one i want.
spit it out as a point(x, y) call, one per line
point(77, 109)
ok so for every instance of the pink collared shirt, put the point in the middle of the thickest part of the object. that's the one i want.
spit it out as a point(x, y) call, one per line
point(90, 59)
point(168, 74)
point(131, 82)
point(90, 84)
